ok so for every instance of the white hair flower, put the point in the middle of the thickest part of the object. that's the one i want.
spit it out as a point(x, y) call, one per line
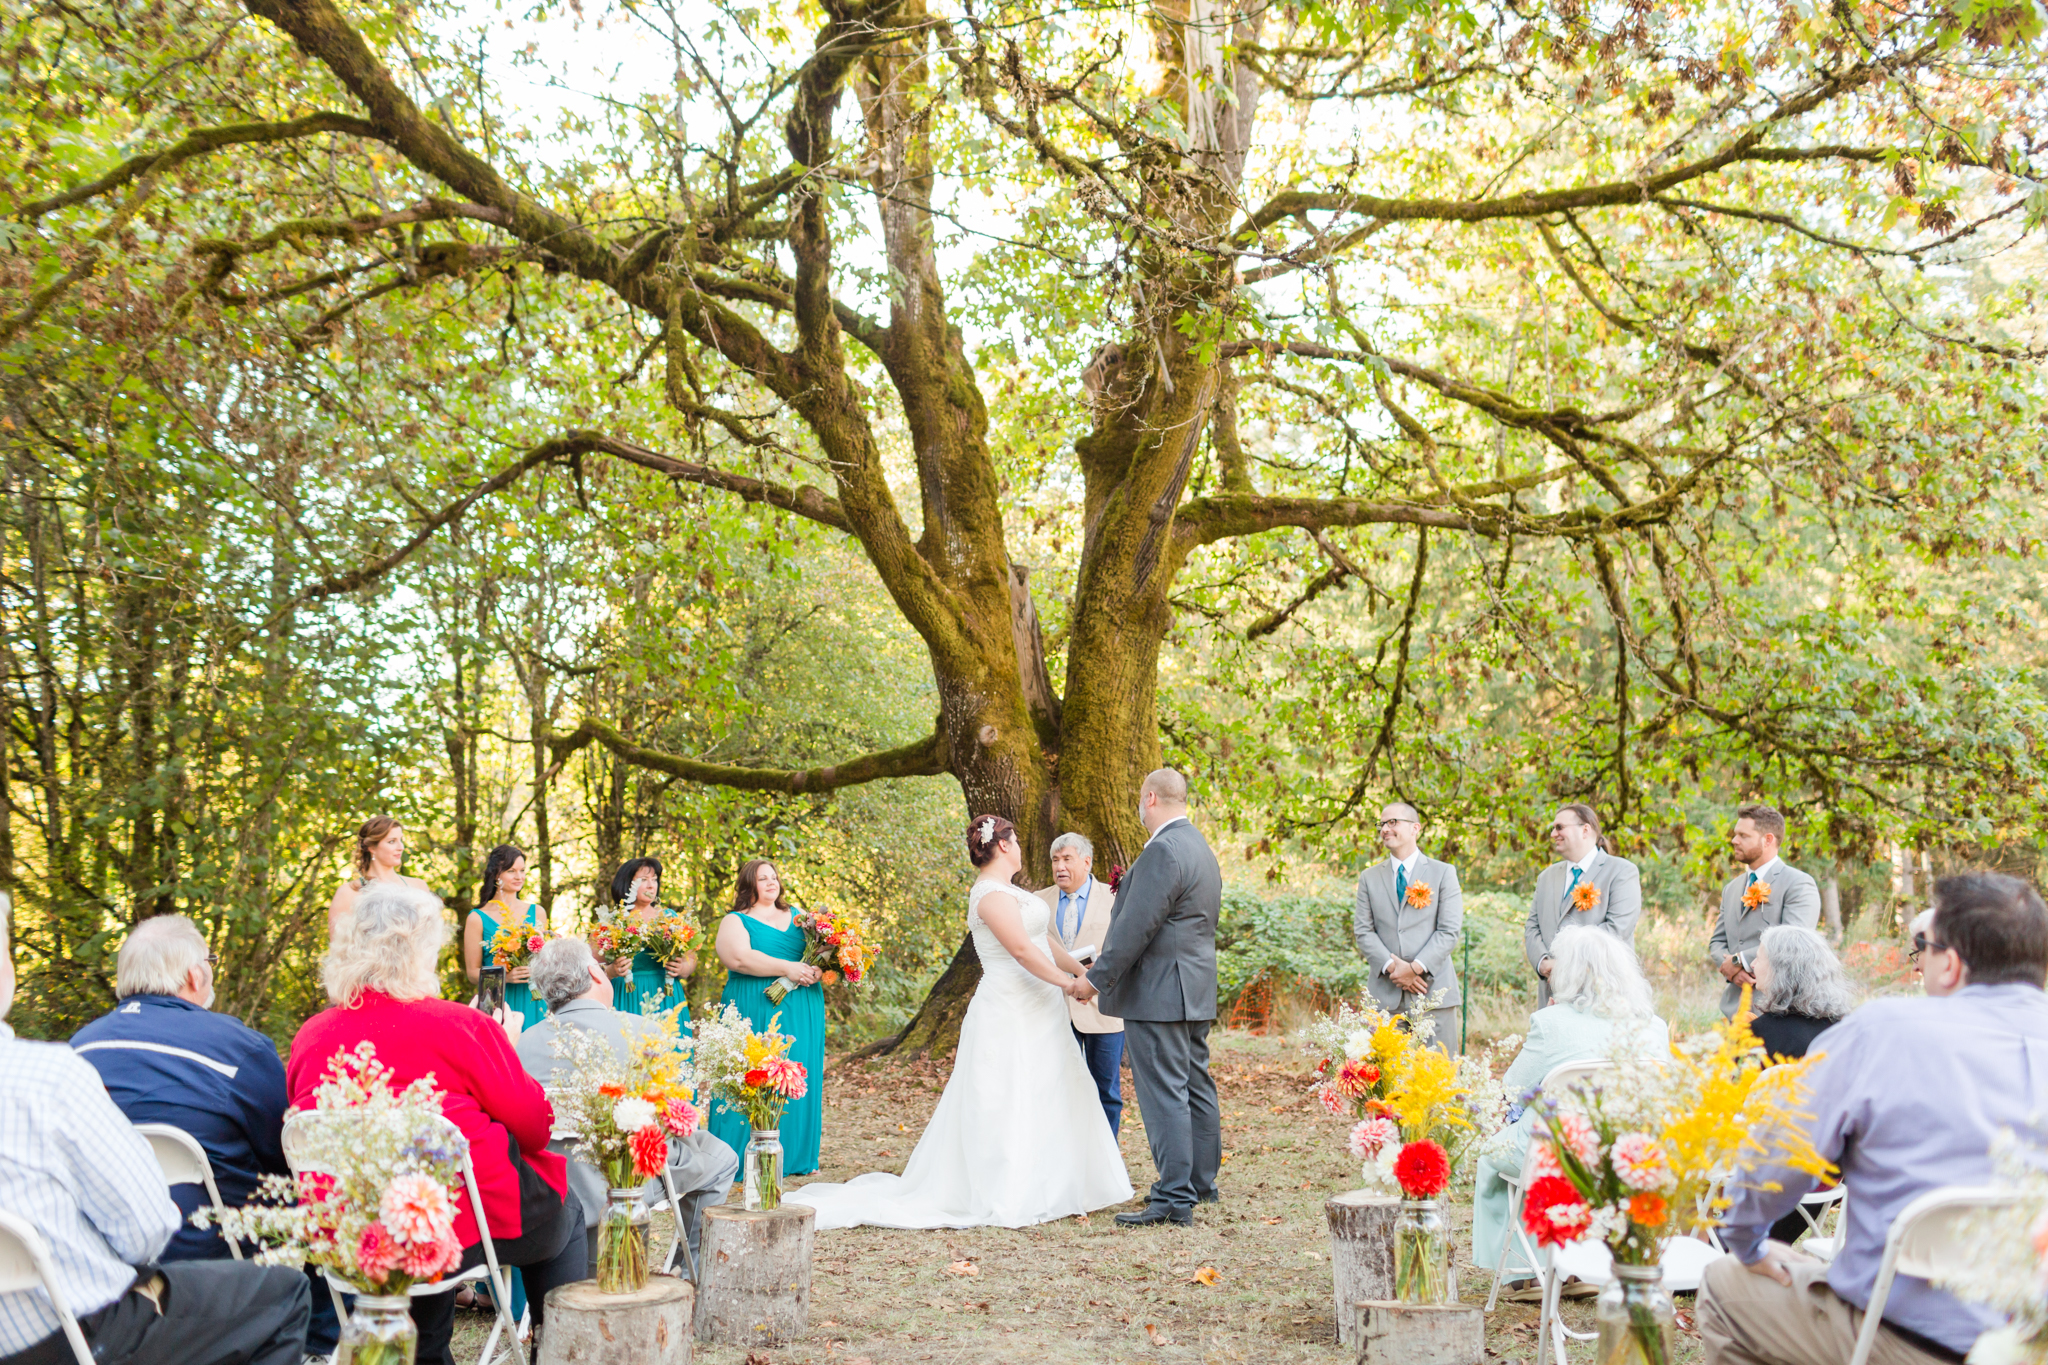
point(988, 828)
point(632, 1113)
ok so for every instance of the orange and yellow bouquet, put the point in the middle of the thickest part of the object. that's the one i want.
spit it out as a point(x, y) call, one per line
point(668, 936)
point(833, 941)
point(614, 936)
point(515, 943)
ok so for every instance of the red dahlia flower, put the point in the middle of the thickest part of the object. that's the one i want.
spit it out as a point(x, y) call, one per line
point(1423, 1169)
point(650, 1150)
point(1554, 1212)
point(756, 1078)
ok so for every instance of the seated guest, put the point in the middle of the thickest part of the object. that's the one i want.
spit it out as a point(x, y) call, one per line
point(75, 1170)
point(1801, 990)
point(380, 971)
point(1906, 1097)
point(578, 991)
point(167, 1058)
point(1932, 962)
point(1600, 1007)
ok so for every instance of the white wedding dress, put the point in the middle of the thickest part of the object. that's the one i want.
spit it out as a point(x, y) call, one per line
point(1019, 1136)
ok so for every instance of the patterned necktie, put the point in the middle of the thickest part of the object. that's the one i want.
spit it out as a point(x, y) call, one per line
point(1400, 885)
point(1577, 873)
point(1068, 923)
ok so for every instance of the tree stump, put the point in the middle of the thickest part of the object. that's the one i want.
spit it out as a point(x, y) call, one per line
point(1361, 1252)
point(754, 1281)
point(648, 1327)
point(1419, 1333)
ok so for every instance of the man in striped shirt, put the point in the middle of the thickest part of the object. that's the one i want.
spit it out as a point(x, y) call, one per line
point(73, 1168)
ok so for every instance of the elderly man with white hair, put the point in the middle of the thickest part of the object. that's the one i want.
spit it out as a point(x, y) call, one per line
point(578, 990)
point(1081, 907)
point(76, 1171)
point(166, 1057)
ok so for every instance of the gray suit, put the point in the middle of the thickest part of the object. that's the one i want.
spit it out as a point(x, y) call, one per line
point(1617, 907)
point(1384, 925)
point(1157, 972)
point(1794, 899)
point(701, 1166)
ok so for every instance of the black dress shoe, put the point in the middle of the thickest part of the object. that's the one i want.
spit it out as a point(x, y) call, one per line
point(1153, 1214)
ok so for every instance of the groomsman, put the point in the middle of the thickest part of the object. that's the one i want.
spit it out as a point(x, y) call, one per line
point(1080, 917)
point(1768, 891)
point(1586, 886)
point(1406, 925)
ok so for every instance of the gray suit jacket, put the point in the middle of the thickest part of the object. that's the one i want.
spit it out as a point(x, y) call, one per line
point(1619, 905)
point(699, 1162)
point(1159, 962)
point(1794, 899)
point(1383, 928)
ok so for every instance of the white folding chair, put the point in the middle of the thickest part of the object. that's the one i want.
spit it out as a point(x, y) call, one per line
point(1814, 1207)
point(184, 1162)
point(296, 1125)
point(24, 1264)
point(1921, 1243)
point(1560, 1079)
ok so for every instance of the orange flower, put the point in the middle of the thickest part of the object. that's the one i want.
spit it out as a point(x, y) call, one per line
point(1648, 1209)
point(1756, 895)
point(1419, 896)
point(1586, 897)
point(611, 1092)
point(830, 978)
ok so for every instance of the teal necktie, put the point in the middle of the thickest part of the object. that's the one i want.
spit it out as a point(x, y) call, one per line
point(1752, 881)
point(1577, 873)
point(1400, 885)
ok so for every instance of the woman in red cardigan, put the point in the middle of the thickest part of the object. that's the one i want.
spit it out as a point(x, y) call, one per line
point(380, 969)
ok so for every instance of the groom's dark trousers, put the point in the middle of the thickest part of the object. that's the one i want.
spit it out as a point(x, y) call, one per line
point(1177, 1097)
point(1157, 973)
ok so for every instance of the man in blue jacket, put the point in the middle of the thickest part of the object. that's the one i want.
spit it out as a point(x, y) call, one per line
point(166, 1057)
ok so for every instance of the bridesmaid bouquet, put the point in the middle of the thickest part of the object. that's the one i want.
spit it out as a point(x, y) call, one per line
point(515, 943)
point(376, 1197)
point(832, 941)
point(614, 936)
point(668, 936)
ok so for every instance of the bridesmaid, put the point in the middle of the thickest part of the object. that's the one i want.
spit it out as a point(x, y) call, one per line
point(640, 984)
point(758, 942)
point(380, 847)
point(504, 876)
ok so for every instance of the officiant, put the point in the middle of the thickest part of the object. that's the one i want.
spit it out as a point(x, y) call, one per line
point(1080, 917)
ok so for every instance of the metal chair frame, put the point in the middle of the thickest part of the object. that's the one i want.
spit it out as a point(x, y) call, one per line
point(1916, 1245)
point(185, 1162)
point(24, 1264)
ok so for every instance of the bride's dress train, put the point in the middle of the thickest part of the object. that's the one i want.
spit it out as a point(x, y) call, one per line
point(1019, 1136)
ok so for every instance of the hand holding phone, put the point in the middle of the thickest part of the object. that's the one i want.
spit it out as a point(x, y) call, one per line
point(490, 990)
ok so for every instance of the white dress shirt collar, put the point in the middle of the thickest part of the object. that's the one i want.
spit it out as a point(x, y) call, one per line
point(1176, 820)
point(1763, 874)
point(1405, 864)
point(1586, 865)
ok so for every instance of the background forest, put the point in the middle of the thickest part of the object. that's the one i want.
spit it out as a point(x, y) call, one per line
point(344, 477)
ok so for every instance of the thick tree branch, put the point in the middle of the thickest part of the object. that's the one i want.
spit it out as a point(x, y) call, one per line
point(198, 143)
point(923, 758)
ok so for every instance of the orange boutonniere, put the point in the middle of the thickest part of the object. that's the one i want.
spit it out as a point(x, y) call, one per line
point(1585, 898)
point(1756, 895)
point(1419, 896)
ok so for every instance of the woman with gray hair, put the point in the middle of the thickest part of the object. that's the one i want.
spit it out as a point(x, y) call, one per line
point(383, 973)
point(1600, 1005)
point(1801, 990)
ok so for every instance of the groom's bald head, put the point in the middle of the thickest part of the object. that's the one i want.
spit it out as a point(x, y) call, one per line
point(1163, 796)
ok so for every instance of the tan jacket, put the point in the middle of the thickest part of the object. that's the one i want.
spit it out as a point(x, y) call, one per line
point(1094, 929)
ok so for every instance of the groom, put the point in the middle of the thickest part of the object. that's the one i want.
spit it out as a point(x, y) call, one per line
point(1157, 972)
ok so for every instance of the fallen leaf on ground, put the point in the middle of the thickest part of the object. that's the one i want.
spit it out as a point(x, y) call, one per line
point(963, 1268)
point(1159, 1338)
point(1271, 1221)
point(1206, 1275)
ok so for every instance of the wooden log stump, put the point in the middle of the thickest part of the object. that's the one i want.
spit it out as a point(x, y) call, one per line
point(754, 1281)
point(1418, 1333)
point(648, 1327)
point(1361, 1252)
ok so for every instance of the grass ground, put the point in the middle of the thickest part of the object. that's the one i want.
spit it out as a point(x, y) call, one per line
point(1084, 1290)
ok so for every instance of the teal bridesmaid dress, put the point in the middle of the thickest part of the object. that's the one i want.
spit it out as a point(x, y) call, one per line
point(640, 991)
point(803, 1019)
point(519, 997)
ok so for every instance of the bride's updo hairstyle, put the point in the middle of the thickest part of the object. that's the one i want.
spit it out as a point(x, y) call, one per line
point(983, 835)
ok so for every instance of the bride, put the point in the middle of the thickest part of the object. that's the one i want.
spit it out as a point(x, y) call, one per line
point(1018, 1137)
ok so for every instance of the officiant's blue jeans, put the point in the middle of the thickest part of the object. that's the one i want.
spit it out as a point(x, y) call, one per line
point(1104, 1054)
point(1177, 1097)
